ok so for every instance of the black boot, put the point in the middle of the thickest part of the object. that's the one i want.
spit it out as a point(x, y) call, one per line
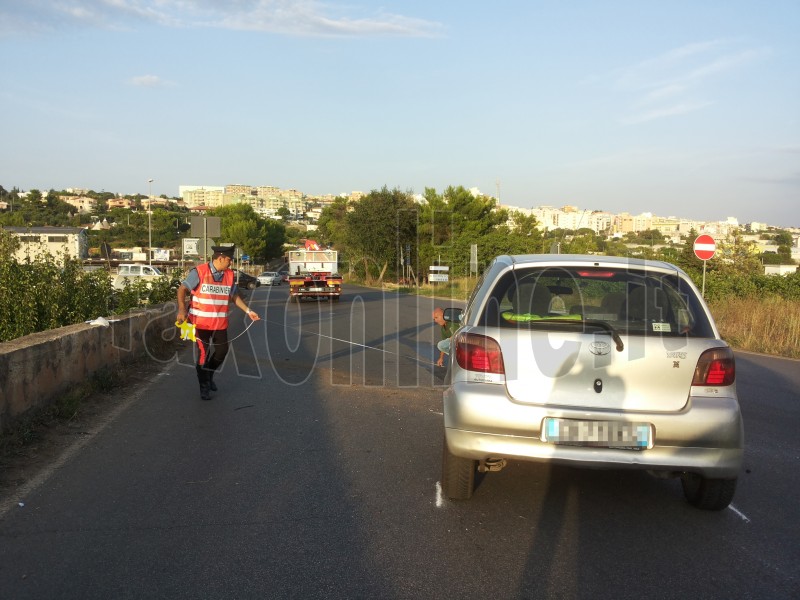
point(211, 385)
point(205, 388)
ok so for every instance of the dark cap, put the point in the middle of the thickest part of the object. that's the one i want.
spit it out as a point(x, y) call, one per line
point(226, 250)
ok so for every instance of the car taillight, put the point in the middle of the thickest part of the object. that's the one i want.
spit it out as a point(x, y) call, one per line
point(715, 367)
point(478, 353)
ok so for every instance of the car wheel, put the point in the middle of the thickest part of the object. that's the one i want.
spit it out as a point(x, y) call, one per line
point(458, 475)
point(708, 493)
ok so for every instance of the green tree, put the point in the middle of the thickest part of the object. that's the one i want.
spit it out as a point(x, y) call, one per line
point(380, 224)
point(686, 258)
point(784, 238)
point(453, 221)
point(332, 225)
point(524, 235)
point(736, 255)
point(261, 238)
point(771, 258)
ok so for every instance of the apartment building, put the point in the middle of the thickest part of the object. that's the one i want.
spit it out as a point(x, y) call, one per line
point(83, 204)
point(210, 197)
point(55, 241)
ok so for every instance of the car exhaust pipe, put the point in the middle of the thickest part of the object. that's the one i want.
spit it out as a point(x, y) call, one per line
point(492, 465)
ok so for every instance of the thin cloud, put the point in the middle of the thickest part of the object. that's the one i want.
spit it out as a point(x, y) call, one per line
point(306, 20)
point(679, 81)
point(287, 17)
point(665, 91)
point(149, 81)
point(664, 112)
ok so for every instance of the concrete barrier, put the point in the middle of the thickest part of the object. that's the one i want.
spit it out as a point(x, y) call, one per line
point(35, 370)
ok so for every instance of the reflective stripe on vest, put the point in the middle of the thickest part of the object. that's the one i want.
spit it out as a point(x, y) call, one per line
point(210, 299)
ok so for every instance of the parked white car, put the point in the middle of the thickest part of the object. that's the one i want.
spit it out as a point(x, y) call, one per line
point(128, 273)
point(592, 361)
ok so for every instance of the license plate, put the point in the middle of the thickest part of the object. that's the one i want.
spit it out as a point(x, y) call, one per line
point(600, 434)
point(316, 289)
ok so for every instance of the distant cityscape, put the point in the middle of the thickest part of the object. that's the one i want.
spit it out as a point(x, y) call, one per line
point(274, 202)
point(268, 200)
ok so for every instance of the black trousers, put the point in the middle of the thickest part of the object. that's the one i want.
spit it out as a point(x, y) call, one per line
point(212, 346)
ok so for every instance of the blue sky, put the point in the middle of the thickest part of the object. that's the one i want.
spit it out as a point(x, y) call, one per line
point(681, 108)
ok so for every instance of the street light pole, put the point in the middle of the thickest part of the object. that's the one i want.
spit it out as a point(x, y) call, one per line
point(149, 224)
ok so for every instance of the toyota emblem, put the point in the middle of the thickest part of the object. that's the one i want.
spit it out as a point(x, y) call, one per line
point(599, 348)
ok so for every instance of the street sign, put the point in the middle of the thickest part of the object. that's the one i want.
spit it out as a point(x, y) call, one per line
point(206, 226)
point(473, 259)
point(705, 247)
point(438, 274)
point(196, 246)
point(190, 246)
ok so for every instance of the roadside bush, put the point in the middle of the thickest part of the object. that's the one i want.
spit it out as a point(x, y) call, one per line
point(44, 294)
point(144, 293)
point(47, 293)
point(732, 285)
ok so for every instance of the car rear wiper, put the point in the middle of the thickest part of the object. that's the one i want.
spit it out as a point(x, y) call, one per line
point(604, 325)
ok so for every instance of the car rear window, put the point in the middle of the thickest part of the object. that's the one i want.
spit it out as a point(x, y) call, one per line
point(631, 301)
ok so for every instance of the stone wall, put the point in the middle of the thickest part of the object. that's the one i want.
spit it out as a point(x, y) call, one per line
point(37, 369)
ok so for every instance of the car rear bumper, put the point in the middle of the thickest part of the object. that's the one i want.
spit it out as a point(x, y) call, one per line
point(706, 437)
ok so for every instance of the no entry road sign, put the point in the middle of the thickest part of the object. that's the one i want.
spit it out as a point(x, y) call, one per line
point(704, 247)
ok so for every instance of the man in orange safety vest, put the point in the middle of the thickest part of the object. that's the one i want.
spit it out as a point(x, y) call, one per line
point(212, 288)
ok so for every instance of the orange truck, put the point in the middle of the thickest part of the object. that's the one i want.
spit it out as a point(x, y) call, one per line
point(313, 273)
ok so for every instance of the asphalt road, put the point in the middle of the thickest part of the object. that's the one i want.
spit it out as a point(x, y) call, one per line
point(314, 473)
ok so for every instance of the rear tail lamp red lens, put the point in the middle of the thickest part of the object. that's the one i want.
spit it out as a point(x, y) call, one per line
point(715, 367)
point(605, 274)
point(478, 353)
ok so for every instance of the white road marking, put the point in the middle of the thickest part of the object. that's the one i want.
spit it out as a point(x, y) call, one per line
point(439, 497)
point(739, 513)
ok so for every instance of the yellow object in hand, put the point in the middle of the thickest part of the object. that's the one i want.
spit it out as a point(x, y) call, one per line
point(187, 330)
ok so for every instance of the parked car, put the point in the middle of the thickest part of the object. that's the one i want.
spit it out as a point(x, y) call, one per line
point(129, 273)
point(269, 278)
point(592, 361)
point(245, 281)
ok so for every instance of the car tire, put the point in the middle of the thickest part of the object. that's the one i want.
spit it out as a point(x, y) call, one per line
point(708, 493)
point(458, 475)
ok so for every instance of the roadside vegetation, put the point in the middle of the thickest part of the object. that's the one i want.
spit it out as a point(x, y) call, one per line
point(49, 292)
point(388, 239)
point(767, 325)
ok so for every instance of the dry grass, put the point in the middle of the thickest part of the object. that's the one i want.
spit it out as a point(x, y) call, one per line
point(766, 325)
point(457, 289)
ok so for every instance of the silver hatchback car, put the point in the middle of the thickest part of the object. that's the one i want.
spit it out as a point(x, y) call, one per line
point(592, 361)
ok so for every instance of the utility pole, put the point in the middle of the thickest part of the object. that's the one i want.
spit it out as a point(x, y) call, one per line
point(150, 224)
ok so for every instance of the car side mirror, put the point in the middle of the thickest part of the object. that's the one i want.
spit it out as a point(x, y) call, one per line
point(453, 315)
